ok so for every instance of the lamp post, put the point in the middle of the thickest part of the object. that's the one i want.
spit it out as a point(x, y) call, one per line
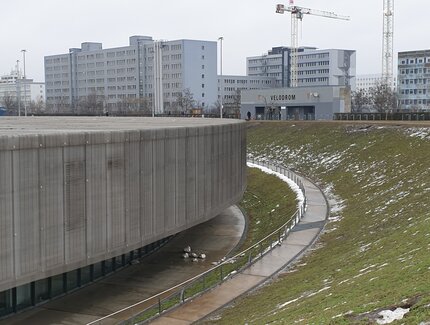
point(25, 88)
point(18, 88)
point(220, 39)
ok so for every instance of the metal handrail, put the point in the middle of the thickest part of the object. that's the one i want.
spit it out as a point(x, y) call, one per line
point(281, 232)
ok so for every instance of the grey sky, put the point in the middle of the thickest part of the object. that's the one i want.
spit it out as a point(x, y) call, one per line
point(249, 27)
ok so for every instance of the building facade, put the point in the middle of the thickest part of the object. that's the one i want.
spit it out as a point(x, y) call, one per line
point(414, 80)
point(19, 92)
point(230, 89)
point(146, 74)
point(367, 81)
point(83, 197)
point(300, 103)
point(331, 67)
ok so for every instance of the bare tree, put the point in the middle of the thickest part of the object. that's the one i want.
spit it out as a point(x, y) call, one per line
point(383, 98)
point(360, 99)
point(184, 101)
point(11, 104)
point(92, 104)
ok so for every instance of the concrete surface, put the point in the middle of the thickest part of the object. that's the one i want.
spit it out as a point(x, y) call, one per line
point(156, 273)
point(77, 191)
point(300, 239)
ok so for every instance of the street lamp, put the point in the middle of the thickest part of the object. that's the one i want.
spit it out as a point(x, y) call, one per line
point(18, 88)
point(25, 88)
point(220, 39)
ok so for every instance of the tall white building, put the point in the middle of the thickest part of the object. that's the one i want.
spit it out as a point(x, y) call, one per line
point(21, 92)
point(331, 67)
point(414, 80)
point(367, 81)
point(144, 73)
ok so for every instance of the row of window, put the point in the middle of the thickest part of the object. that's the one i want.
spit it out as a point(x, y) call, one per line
point(309, 72)
point(37, 292)
point(312, 80)
point(415, 102)
point(314, 56)
point(413, 91)
point(314, 64)
point(56, 76)
point(415, 60)
point(64, 59)
point(414, 71)
point(414, 81)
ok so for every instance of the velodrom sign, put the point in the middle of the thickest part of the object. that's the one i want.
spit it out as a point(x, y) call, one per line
point(283, 97)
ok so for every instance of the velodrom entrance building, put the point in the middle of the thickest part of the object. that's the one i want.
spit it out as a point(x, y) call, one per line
point(301, 103)
point(82, 197)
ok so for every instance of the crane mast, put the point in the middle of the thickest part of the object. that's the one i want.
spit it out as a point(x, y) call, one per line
point(387, 43)
point(297, 14)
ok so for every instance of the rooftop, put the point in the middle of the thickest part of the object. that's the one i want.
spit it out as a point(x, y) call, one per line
point(16, 126)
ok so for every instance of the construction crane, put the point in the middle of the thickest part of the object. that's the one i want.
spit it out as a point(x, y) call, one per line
point(297, 14)
point(387, 43)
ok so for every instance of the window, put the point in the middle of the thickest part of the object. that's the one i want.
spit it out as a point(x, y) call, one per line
point(203, 76)
point(203, 85)
point(203, 57)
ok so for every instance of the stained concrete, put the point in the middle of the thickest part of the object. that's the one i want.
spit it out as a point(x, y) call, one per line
point(77, 191)
point(156, 273)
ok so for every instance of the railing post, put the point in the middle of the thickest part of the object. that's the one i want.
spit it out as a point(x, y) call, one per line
point(261, 250)
point(204, 284)
point(182, 296)
point(250, 256)
point(159, 305)
point(221, 271)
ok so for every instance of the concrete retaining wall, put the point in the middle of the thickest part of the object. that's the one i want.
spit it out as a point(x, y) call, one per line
point(72, 198)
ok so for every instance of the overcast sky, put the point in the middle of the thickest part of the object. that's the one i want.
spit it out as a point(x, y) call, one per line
point(249, 28)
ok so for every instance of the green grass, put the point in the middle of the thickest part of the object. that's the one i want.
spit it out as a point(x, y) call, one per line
point(377, 255)
point(269, 203)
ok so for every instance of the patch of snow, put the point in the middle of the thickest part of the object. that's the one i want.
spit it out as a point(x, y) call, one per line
point(389, 316)
point(296, 189)
point(287, 303)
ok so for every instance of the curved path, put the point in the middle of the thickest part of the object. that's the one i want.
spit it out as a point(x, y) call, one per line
point(156, 273)
point(299, 240)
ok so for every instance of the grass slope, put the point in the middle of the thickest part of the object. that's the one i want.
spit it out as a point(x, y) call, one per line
point(375, 252)
point(268, 202)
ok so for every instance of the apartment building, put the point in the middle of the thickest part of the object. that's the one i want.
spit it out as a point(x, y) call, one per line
point(145, 74)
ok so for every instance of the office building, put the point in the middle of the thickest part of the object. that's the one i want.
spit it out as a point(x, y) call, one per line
point(414, 80)
point(331, 67)
point(16, 91)
point(367, 81)
point(230, 88)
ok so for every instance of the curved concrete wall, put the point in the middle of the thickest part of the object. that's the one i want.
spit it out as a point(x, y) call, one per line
point(70, 197)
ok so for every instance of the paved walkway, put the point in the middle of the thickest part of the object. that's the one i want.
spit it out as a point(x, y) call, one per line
point(156, 273)
point(300, 239)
